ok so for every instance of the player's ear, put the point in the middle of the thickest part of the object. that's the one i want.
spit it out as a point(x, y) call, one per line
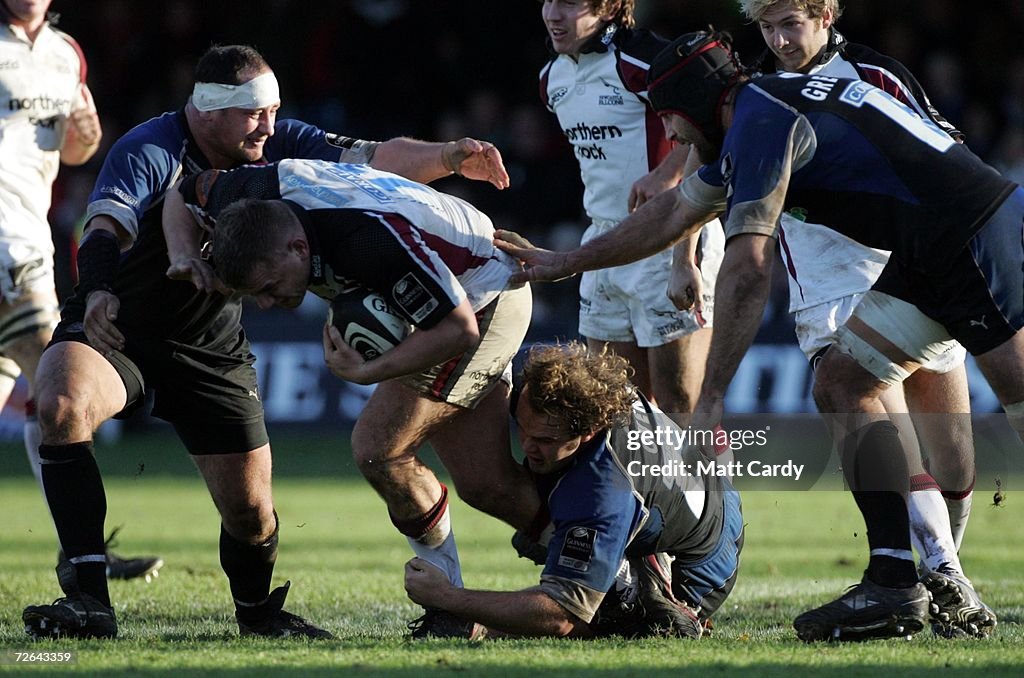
point(299, 245)
point(826, 17)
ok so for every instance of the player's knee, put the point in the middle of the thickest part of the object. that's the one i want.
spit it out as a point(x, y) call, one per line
point(63, 416)
point(249, 522)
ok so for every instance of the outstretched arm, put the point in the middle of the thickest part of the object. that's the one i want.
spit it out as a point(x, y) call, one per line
point(426, 161)
point(521, 613)
point(658, 223)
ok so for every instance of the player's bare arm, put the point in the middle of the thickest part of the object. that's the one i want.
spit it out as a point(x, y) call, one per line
point(83, 135)
point(659, 223)
point(456, 333)
point(742, 292)
point(183, 234)
point(519, 613)
point(426, 161)
point(666, 175)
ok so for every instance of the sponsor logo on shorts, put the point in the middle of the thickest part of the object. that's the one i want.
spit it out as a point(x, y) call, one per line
point(413, 297)
point(578, 548)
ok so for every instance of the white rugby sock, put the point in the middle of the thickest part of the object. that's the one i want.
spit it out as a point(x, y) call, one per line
point(929, 525)
point(437, 547)
point(958, 505)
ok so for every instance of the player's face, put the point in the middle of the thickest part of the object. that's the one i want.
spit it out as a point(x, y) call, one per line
point(238, 134)
point(282, 283)
point(682, 131)
point(27, 10)
point(570, 24)
point(794, 37)
point(546, 440)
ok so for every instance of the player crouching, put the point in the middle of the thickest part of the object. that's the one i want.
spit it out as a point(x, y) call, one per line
point(623, 555)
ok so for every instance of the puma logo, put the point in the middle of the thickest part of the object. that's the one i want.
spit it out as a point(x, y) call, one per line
point(978, 323)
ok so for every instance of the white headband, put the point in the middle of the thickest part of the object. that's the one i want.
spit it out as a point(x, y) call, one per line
point(260, 92)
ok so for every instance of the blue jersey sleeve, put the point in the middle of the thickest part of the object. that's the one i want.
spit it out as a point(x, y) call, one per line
point(595, 513)
point(295, 139)
point(137, 171)
point(765, 143)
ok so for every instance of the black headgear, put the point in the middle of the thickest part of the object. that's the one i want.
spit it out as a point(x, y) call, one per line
point(691, 76)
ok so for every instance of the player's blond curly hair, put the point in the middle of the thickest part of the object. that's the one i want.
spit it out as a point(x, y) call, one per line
point(621, 10)
point(753, 9)
point(589, 391)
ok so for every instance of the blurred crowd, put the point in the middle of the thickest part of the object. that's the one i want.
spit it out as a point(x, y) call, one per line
point(450, 68)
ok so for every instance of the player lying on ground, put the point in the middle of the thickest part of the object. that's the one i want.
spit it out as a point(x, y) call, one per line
point(625, 553)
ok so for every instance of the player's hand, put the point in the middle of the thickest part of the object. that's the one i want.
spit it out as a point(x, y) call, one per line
point(648, 186)
point(85, 125)
point(101, 309)
point(344, 361)
point(538, 264)
point(686, 287)
point(425, 583)
point(479, 160)
point(199, 273)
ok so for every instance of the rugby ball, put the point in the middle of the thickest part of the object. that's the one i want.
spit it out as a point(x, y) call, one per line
point(366, 322)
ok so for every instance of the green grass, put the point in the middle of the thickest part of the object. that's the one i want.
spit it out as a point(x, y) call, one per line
point(345, 563)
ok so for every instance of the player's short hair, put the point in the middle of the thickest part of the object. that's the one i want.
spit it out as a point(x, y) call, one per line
point(589, 391)
point(230, 64)
point(248, 234)
point(753, 9)
point(621, 10)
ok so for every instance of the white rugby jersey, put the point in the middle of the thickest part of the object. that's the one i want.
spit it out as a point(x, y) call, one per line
point(601, 104)
point(39, 86)
point(824, 265)
point(423, 250)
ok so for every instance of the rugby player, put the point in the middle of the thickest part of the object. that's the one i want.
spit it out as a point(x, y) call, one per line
point(325, 226)
point(625, 553)
point(130, 329)
point(596, 85)
point(49, 118)
point(829, 273)
point(868, 167)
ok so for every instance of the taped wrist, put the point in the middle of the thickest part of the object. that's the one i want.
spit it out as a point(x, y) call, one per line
point(97, 262)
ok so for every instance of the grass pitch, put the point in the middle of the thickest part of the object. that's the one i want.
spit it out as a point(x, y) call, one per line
point(345, 563)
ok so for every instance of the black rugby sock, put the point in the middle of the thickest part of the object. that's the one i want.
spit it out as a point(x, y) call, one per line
point(876, 470)
point(249, 568)
point(78, 504)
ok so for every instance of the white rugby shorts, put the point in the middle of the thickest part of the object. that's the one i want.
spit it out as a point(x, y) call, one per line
point(630, 303)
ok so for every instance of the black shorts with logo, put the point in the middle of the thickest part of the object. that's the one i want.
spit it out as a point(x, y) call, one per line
point(978, 294)
point(208, 393)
